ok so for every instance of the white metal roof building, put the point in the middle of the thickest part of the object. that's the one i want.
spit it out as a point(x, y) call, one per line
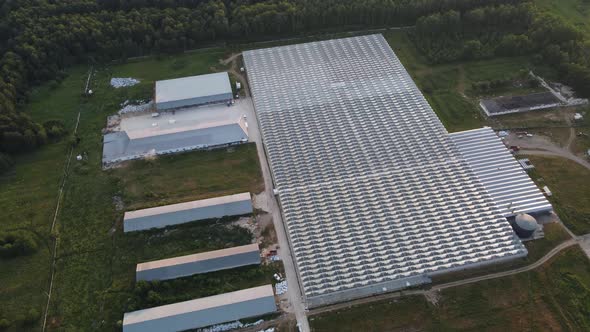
point(175, 214)
point(502, 176)
point(203, 312)
point(374, 193)
point(171, 132)
point(209, 261)
point(193, 91)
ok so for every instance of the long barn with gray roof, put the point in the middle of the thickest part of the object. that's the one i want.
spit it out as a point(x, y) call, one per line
point(193, 91)
point(204, 262)
point(176, 214)
point(202, 312)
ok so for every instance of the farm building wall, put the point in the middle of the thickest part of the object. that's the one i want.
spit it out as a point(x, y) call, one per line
point(251, 256)
point(202, 318)
point(233, 208)
point(173, 104)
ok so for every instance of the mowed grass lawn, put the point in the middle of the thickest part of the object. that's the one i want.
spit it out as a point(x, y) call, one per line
point(96, 262)
point(553, 297)
point(570, 185)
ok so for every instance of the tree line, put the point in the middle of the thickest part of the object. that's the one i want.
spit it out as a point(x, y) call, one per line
point(507, 30)
point(40, 38)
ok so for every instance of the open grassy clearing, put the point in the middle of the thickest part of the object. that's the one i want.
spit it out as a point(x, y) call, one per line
point(28, 196)
point(448, 87)
point(553, 297)
point(204, 174)
point(570, 185)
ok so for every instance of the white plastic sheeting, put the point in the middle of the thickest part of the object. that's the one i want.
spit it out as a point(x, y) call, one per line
point(122, 82)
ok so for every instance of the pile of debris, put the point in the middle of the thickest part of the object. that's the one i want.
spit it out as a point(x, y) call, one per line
point(136, 108)
point(281, 287)
point(230, 326)
point(122, 82)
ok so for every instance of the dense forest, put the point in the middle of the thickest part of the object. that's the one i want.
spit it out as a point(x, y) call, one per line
point(40, 38)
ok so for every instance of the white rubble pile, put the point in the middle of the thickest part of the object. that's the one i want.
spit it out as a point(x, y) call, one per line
point(224, 327)
point(230, 326)
point(122, 82)
point(270, 329)
point(281, 287)
point(130, 108)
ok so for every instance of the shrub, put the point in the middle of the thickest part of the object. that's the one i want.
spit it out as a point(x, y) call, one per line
point(15, 244)
point(32, 316)
point(55, 129)
point(6, 163)
point(4, 324)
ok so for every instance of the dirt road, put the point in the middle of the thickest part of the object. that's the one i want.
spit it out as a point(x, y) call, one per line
point(542, 146)
point(271, 206)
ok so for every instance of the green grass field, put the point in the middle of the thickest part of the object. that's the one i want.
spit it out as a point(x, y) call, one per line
point(570, 185)
point(552, 298)
point(205, 173)
point(96, 262)
point(448, 86)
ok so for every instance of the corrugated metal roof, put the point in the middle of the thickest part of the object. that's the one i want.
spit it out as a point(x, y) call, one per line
point(197, 304)
point(372, 188)
point(502, 176)
point(197, 257)
point(183, 130)
point(187, 206)
point(192, 87)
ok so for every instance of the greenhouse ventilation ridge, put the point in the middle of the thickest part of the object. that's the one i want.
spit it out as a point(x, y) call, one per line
point(502, 176)
point(374, 193)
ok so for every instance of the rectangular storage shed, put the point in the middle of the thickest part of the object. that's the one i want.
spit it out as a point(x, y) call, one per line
point(203, 312)
point(175, 214)
point(193, 91)
point(209, 261)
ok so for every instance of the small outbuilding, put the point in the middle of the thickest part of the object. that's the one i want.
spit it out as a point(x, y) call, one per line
point(175, 214)
point(209, 261)
point(193, 91)
point(203, 312)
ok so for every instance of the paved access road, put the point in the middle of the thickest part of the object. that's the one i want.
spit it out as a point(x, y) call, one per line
point(294, 291)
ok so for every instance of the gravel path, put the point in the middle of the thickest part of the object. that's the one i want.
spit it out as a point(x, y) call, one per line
point(541, 146)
